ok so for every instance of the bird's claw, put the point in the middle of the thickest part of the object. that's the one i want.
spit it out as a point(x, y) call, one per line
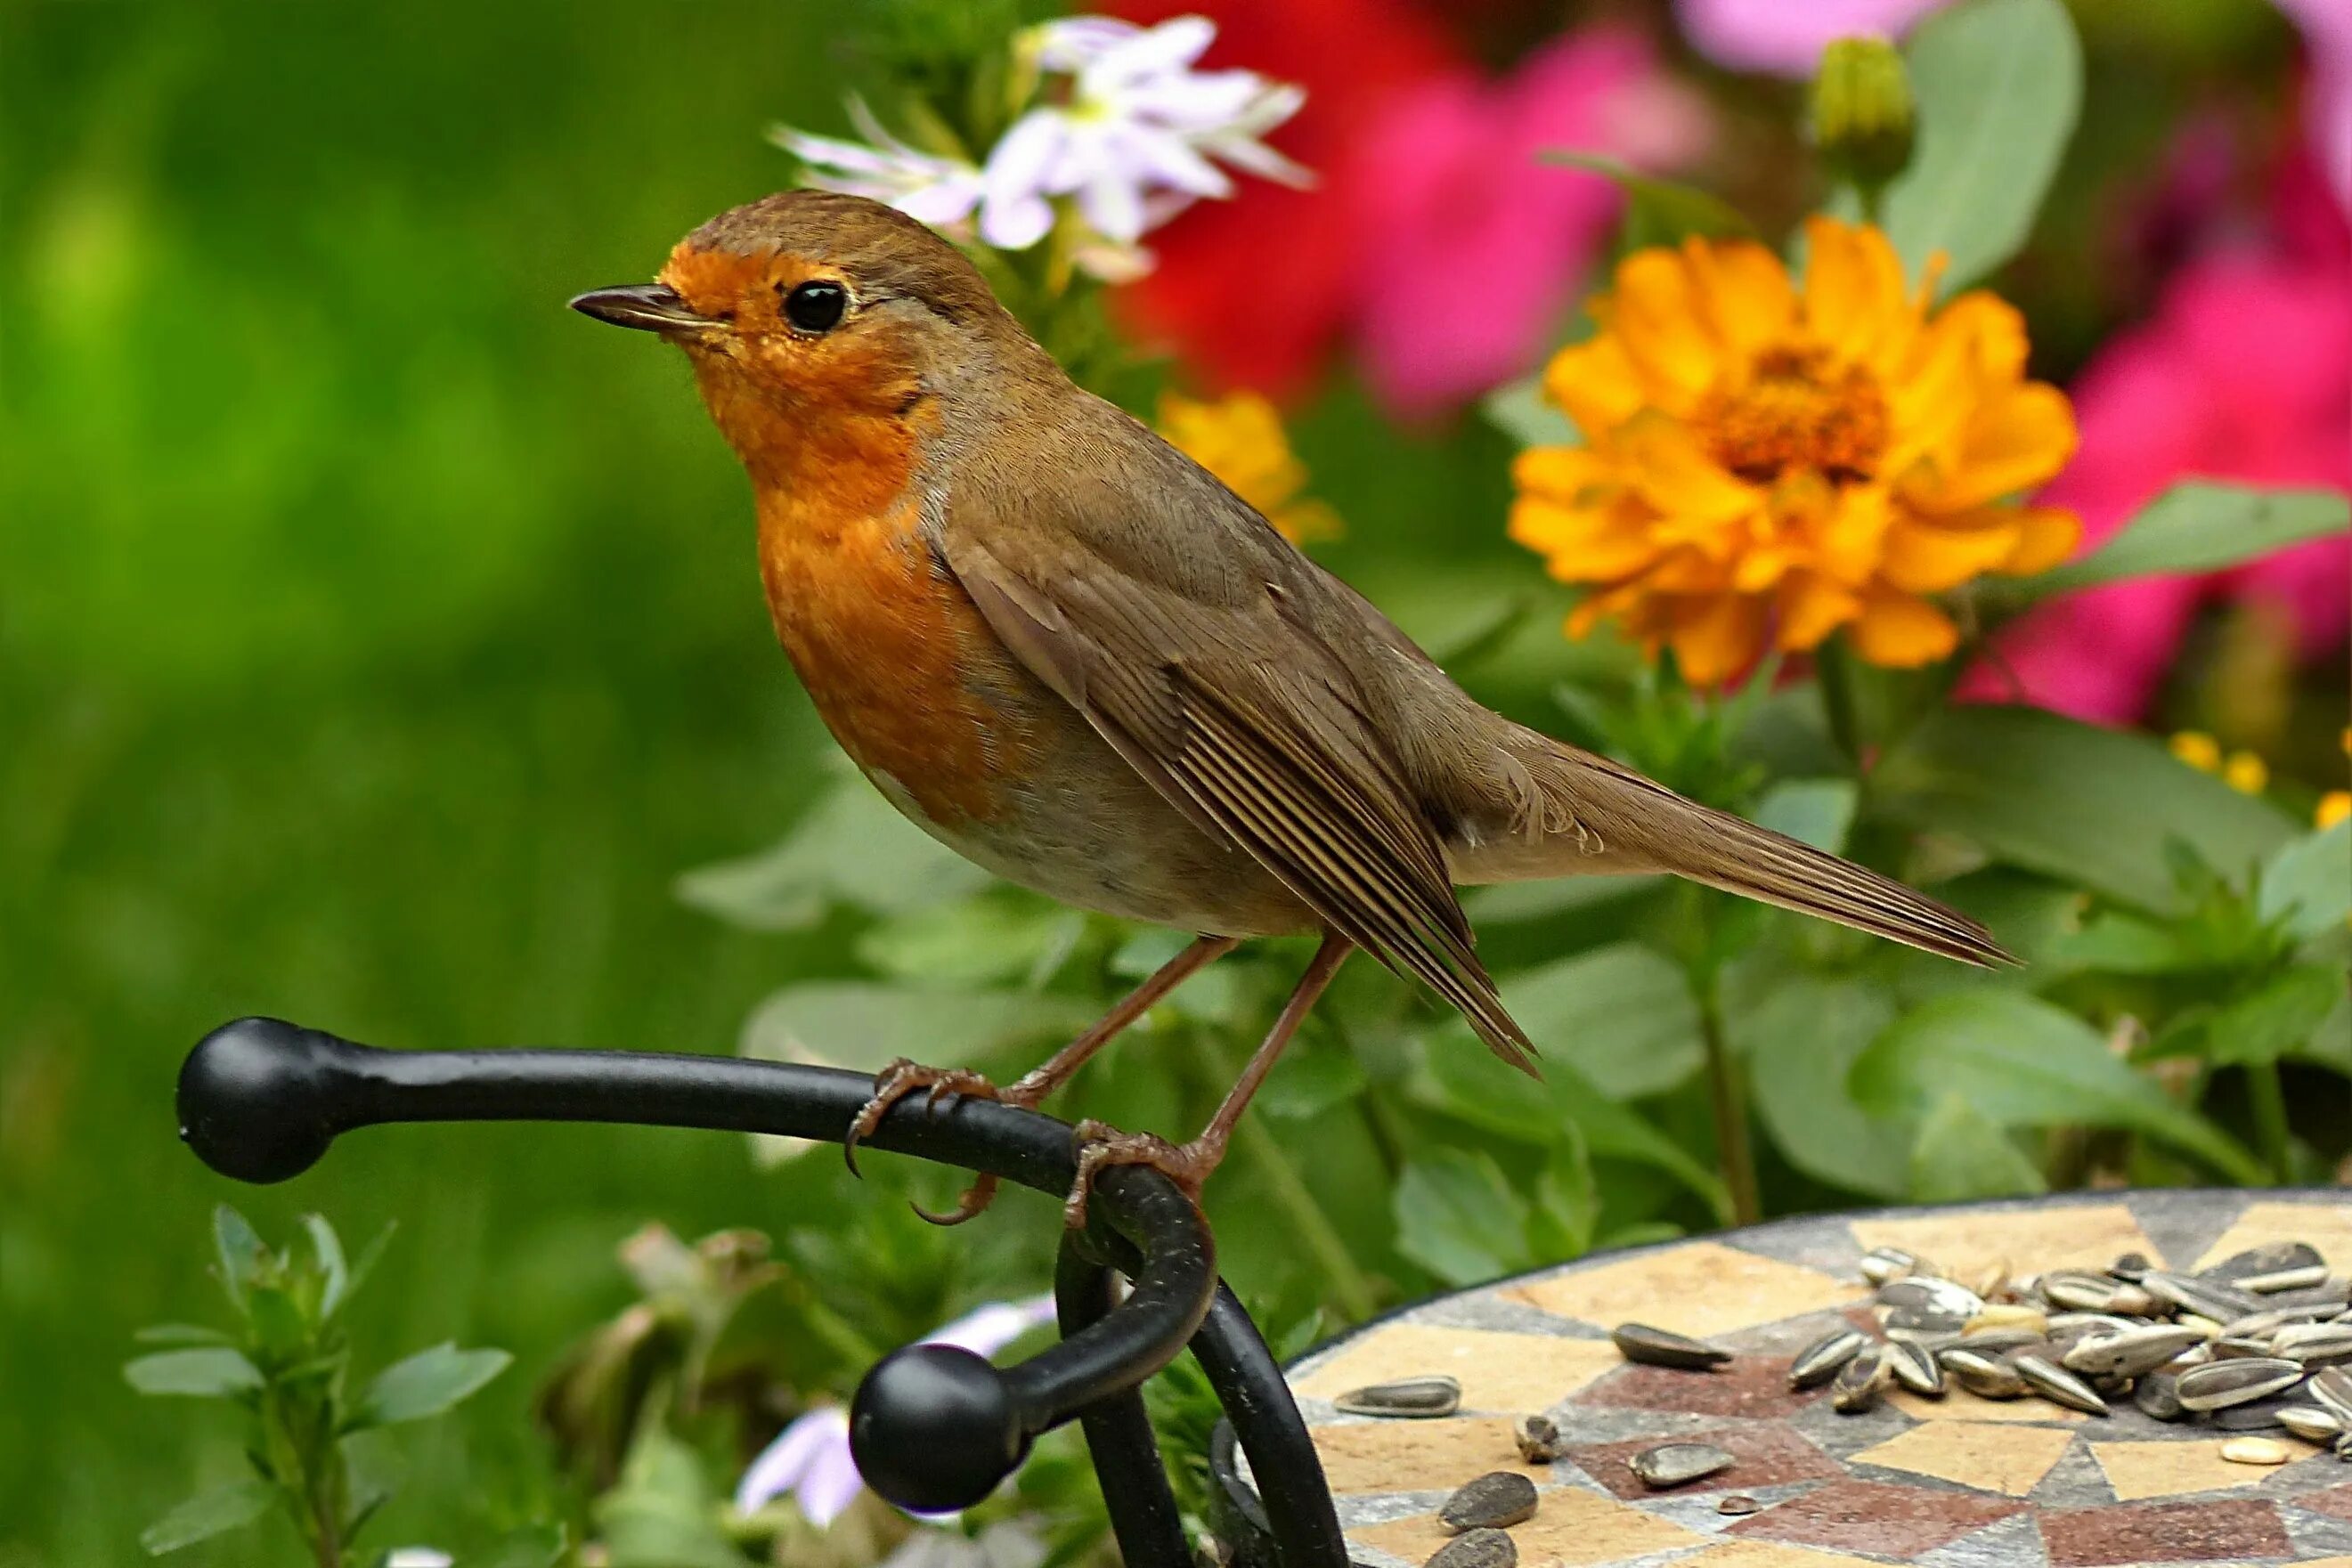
point(905, 1077)
point(1102, 1146)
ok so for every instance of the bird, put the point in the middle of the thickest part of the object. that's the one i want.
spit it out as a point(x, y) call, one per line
point(1067, 652)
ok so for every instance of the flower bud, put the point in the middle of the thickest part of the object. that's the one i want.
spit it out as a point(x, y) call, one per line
point(1860, 111)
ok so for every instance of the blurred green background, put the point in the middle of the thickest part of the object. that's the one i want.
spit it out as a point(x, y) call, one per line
point(378, 641)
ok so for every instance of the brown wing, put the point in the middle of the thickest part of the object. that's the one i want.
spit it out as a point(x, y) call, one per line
point(1220, 695)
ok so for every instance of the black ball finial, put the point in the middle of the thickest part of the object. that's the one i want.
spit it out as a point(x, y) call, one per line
point(253, 1099)
point(934, 1427)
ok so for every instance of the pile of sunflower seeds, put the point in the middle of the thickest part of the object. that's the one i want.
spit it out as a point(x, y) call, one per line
point(2257, 1342)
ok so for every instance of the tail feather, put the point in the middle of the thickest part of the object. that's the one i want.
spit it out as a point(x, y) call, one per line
point(1649, 827)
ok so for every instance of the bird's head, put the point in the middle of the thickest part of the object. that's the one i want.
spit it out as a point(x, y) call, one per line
point(817, 323)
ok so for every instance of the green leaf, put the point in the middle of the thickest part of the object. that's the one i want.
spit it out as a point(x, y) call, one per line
point(2022, 1062)
point(426, 1383)
point(851, 848)
point(1961, 1154)
point(181, 1333)
point(214, 1372)
point(2277, 1019)
point(2090, 806)
point(2309, 883)
point(333, 1269)
point(1457, 1217)
point(1817, 811)
point(239, 1251)
point(994, 936)
point(1567, 1205)
point(660, 1513)
point(207, 1514)
point(2120, 944)
point(1996, 85)
point(1312, 1077)
point(1659, 212)
point(862, 1026)
point(1800, 1040)
point(1464, 1079)
point(370, 1255)
point(1621, 1014)
point(1520, 411)
point(2195, 525)
point(1507, 901)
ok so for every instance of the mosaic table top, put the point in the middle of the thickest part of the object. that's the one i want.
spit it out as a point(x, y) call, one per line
point(1959, 1482)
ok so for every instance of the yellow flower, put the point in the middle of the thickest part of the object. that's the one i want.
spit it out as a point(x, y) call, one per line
point(2335, 807)
point(2246, 773)
point(2197, 749)
point(1766, 462)
point(1239, 438)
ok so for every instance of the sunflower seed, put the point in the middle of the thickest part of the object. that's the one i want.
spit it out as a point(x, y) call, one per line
point(2311, 1423)
point(2333, 1388)
point(1493, 1501)
point(2240, 1347)
point(1992, 1342)
point(1738, 1503)
point(1416, 1398)
point(2158, 1397)
point(1985, 1376)
point(2057, 1384)
point(2256, 1451)
point(2218, 1385)
point(2315, 1344)
point(2132, 1265)
point(2076, 1291)
point(2268, 1259)
point(2131, 1352)
point(1678, 1464)
point(2075, 1324)
point(1657, 1347)
point(1818, 1362)
point(1860, 1382)
point(2213, 1299)
point(1538, 1439)
point(1927, 1295)
point(2301, 1277)
point(1914, 1368)
point(2009, 1315)
point(2254, 1416)
point(1881, 1264)
point(1485, 1548)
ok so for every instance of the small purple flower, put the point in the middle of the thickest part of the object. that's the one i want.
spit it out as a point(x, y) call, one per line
point(810, 1459)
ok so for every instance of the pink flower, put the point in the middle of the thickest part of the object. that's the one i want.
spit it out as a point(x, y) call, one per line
point(2244, 373)
point(1786, 36)
point(1469, 249)
point(2328, 97)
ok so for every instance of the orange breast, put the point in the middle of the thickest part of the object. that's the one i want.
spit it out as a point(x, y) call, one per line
point(886, 650)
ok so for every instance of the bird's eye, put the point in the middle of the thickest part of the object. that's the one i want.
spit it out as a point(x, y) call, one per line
point(816, 307)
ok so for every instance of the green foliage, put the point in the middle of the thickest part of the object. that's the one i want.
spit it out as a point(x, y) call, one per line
point(287, 1372)
point(1999, 84)
point(2196, 526)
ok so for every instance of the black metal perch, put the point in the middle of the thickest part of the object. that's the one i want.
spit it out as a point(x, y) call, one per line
point(932, 1427)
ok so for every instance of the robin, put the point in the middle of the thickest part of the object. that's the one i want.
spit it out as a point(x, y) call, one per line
point(1068, 652)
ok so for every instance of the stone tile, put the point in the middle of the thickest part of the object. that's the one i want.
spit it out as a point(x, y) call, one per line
point(1571, 1527)
point(2221, 1529)
point(2137, 1471)
point(2037, 1239)
point(2327, 1226)
point(1959, 1405)
point(2008, 1460)
point(2335, 1501)
point(1767, 1454)
point(1752, 1387)
point(1764, 1555)
point(1498, 1372)
point(1419, 1456)
point(1701, 1288)
point(1896, 1521)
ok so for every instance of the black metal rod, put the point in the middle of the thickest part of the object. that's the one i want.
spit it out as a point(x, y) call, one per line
point(933, 1427)
point(1265, 1420)
point(1142, 1506)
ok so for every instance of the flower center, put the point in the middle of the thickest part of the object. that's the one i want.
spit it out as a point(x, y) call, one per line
point(1797, 411)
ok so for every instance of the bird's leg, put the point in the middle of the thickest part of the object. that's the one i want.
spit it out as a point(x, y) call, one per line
point(1189, 1165)
point(905, 1077)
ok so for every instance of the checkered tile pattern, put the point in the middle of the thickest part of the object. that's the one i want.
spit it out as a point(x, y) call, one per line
point(1955, 1483)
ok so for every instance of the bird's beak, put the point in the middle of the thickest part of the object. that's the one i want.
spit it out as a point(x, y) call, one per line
point(647, 307)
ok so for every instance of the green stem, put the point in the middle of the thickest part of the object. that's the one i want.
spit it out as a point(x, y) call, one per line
point(2269, 1099)
point(1348, 1286)
point(1832, 667)
point(1727, 1097)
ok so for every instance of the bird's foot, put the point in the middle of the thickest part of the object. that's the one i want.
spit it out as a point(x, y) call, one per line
point(904, 1077)
point(1102, 1146)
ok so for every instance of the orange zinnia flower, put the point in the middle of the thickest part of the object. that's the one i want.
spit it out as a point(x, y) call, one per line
point(1765, 463)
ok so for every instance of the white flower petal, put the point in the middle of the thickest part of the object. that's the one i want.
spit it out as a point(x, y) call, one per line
point(781, 1465)
point(1068, 44)
point(832, 1483)
point(417, 1557)
point(1170, 47)
point(1113, 205)
point(985, 1329)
